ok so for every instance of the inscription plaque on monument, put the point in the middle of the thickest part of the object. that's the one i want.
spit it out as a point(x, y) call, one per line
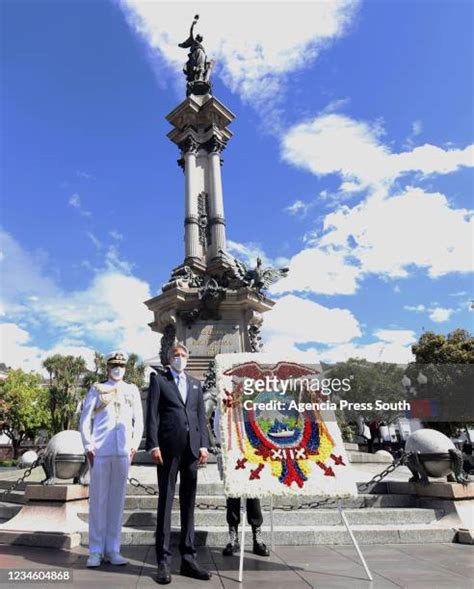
point(204, 339)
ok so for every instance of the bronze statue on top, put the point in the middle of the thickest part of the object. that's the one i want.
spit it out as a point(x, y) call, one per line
point(198, 68)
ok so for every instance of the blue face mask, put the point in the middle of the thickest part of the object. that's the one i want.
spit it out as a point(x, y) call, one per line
point(179, 363)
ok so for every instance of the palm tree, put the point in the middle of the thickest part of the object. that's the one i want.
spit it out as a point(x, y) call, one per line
point(65, 379)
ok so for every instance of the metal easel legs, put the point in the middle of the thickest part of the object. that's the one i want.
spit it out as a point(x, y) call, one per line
point(354, 541)
point(343, 518)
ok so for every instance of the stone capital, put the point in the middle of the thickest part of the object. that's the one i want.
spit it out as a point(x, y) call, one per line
point(189, 146)
point(214, 145)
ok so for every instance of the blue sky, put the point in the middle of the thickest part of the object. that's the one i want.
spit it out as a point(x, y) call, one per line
point(351, 162)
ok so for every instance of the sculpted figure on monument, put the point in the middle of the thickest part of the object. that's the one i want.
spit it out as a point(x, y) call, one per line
point(258, 278)
point(198, 68)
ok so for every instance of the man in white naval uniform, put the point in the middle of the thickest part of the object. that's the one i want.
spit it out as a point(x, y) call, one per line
point(111, 427)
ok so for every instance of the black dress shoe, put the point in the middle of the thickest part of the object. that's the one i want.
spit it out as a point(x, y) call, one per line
point(260, 549)
point(193, 570)
point(163, 574)
point(231, 549)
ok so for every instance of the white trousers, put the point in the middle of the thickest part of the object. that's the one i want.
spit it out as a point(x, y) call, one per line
point(108, 484)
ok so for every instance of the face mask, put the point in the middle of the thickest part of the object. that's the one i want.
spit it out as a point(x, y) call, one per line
point(117, 373)
point(179, 363)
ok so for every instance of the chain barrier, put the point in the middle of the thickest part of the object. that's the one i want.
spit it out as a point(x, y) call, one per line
point(309, 505)
point(149, 490)
point(361, 486)
point(21, 479)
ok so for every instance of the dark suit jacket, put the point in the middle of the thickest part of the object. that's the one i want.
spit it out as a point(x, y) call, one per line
point(169, 421)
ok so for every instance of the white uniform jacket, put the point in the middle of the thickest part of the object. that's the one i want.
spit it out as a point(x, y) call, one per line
point(112, 419)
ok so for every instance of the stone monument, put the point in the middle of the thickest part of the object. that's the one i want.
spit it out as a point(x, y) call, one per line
point(212, 301)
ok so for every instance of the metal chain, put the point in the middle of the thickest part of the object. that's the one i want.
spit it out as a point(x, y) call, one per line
point(309, 505)
point(362, 487)
point(151, 491)
point(390, 468)
point(24, 476)
point(138, 485)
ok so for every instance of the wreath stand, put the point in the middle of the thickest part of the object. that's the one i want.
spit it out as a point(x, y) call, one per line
point(243, 519)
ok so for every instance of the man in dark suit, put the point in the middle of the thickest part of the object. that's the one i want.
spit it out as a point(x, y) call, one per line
point(176, 437)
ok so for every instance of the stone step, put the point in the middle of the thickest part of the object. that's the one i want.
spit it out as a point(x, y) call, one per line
point(216, 488)
point(149, 502)
point(299, 517)
point(304, 535)
point(142, 457)
point(17, 497)
point(365, 458)
point(202, 488)
point(8, 510)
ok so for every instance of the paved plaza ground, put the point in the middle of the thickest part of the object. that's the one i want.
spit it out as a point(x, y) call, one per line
point(433, 566)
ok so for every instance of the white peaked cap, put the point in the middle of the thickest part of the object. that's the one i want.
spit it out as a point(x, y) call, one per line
point(117, 357)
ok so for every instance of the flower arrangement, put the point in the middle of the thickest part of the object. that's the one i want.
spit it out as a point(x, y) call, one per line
point(271, 450)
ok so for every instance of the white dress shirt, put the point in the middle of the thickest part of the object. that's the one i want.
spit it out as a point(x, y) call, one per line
point(118, 427)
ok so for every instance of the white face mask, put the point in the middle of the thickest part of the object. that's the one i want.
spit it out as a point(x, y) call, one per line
point(179, 363)
point(117, 373)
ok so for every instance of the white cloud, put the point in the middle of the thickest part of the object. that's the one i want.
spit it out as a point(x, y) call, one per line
point(390, 345)
point(23, 274)
point(114, 234)
point(299, 208)
point(388, 237)
point(416, 128)
point(337, 144)
point(440, 314)
point(84, 175)
point(414, 228)
point(320, 271)
point(108, 314)
point(255, 44)
point(18, 352)
point(416, 308)
point(250, 251)
point(403, 337)
point(298, 321)
point(76, 203)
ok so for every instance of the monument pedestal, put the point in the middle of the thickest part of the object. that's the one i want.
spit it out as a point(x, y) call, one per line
point(225, 323)
point(50, 518)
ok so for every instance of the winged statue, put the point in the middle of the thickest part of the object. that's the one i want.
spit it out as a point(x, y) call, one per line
point(259, 278)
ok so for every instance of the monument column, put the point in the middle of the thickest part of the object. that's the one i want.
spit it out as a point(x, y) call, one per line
point(212, 301)
point(217, 219)
point(191, 220)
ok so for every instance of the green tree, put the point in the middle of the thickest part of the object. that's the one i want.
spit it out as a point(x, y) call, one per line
point(371, 381)
point(99, 374)
point(455, 348)
point(134, 371)
point(444, 362)
point(23, 407)
point(65, 379)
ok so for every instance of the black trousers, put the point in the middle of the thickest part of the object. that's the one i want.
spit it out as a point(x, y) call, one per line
point(253, 508)
point(187, 465)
